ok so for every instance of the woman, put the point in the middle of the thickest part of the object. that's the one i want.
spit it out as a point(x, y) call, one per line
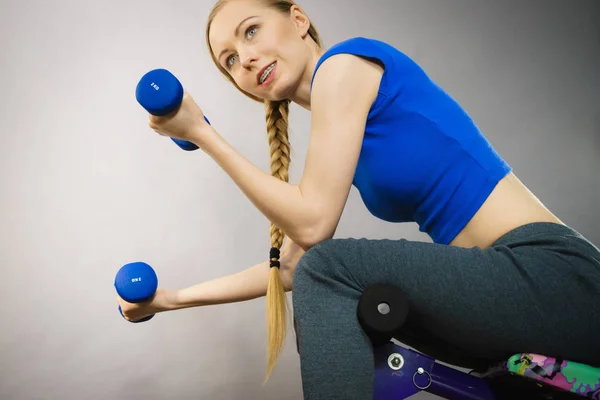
point(503, 274)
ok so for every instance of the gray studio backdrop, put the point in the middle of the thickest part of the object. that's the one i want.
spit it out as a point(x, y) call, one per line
point(86, 186)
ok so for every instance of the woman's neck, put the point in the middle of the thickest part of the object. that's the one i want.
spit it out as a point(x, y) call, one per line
point(302, 94)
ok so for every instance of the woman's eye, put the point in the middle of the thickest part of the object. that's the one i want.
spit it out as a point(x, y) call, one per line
point(230, 60)
point(251, 31)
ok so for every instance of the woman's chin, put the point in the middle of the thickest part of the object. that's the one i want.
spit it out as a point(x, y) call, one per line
point(278, 91)
point(274, 97)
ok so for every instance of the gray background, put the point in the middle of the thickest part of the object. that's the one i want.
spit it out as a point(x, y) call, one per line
point(87, 187)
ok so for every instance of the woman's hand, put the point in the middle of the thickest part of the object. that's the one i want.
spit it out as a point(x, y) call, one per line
point(162, 301)
point(185, 123)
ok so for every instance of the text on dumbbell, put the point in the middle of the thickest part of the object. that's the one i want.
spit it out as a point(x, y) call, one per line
point(155, 86)
point(136, 279)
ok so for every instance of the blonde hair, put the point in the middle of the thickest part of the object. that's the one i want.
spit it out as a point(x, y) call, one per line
point(279, 148)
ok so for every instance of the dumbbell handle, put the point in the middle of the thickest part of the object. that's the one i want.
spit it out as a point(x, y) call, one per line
point(160, 93)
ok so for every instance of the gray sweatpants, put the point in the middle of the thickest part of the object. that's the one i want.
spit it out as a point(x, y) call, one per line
point(537, 289)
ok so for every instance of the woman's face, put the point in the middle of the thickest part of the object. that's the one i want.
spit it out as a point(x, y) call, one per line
point(261, 48)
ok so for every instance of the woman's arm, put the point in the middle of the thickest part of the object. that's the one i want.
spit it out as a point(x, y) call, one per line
point(344, 89)
point(248, 284)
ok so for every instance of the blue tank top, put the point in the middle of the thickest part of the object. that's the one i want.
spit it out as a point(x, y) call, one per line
point(423, 159)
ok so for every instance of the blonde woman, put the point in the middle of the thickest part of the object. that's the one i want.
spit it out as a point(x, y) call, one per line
point(503, 274)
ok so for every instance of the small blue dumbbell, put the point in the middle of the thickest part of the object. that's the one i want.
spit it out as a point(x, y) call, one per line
point(161, 93)
point(135, 283)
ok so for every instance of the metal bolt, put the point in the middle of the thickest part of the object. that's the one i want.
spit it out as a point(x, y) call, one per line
point(395, 361)
point(383, 308)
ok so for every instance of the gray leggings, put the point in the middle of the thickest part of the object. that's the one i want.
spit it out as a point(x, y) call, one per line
point(537, 289)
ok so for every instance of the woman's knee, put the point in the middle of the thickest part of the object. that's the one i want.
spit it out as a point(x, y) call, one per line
point(309, 265)
point(307, 291)
point(321, 261)
point(323, 273)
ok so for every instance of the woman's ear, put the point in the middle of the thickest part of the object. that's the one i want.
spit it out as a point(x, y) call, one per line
point(300, 20)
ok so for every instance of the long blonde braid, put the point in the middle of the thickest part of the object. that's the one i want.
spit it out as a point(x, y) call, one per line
point(279, 149)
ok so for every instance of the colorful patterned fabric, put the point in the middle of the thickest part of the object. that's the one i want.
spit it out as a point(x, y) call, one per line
point(581, 379)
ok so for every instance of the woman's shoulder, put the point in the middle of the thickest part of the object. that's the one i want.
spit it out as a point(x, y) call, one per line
point(396, 67)
point(361, 41)
point(366, 46)
point(357, 46)
point(386, 54)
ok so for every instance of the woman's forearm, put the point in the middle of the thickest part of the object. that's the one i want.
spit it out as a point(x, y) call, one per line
point(281, 202)
point(248, 284)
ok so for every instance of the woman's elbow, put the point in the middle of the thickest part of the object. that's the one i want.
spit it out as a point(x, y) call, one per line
point(314, 235)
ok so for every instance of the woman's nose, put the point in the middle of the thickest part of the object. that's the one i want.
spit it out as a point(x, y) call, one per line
point(248, 59)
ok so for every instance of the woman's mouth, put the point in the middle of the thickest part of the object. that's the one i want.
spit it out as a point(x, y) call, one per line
point(266, 75)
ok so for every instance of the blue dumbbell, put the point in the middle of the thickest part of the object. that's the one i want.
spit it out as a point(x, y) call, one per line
point(161, 93)
point(135, 283)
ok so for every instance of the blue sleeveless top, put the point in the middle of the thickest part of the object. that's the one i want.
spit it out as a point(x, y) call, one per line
point(423, 159)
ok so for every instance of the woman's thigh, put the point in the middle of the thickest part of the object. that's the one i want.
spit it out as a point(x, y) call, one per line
point(486, 304)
